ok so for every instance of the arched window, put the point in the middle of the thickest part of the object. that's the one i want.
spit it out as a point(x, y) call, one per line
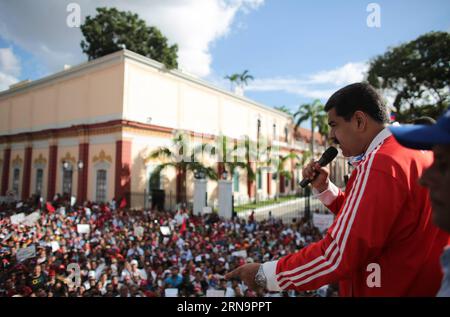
point(100, 188)
point(67, 179)
point(39, 180)
point(16, 180)
point(101, 181)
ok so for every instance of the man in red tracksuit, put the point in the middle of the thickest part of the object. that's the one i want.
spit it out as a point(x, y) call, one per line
point(383, 241)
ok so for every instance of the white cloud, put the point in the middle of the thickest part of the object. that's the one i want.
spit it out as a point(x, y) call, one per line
point(9, 63)
point(6, 80)
point(320, 85)
point(40, 27)
point(9, 68)
point(349, 73)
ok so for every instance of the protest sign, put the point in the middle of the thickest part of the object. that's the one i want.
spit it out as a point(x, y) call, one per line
point(165, 230)
point(215, 293)
point(55, 246)
point(26, 253)
point(241, 254)
point(83, 228)
point(31, 219)
point(138, 231)
point(207, 210)
point(17, 219)
point(171, 292)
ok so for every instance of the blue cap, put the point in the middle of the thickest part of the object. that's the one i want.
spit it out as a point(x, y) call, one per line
point(424, 137)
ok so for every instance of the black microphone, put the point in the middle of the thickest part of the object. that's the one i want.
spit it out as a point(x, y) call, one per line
point(326, 158)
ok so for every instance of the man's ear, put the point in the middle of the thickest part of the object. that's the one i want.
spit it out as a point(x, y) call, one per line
point(360, 120)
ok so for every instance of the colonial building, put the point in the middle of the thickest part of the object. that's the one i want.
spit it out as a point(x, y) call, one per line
point(88, 131)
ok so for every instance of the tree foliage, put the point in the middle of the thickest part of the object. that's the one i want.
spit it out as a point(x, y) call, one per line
point(112, 30)
point(416, 75)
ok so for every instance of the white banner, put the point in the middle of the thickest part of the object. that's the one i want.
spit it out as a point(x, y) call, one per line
point(165, 230)
point(55, 246)
point(31, 219)
point(171, 292)
point(215, 293)
point(323, 222)
point(73, 200)
point(26, 253)
point(240, 254)
point(138, 231)
point(17, 219)
point(83, 228)
point(207, 210)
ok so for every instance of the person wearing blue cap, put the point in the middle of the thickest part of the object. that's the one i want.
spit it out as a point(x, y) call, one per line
point(434, 137)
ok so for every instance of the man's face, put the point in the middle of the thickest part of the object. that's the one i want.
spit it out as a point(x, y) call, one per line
point(345, 134)
point(437, 179)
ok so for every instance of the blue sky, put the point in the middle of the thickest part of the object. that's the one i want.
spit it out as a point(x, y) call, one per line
point(294, 39)
point(296, 50)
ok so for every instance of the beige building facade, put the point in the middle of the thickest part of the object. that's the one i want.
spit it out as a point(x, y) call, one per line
point(88, 131)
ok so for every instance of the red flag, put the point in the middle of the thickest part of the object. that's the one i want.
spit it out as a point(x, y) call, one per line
point(123, 203)
point(50, 208)
point(183, 226)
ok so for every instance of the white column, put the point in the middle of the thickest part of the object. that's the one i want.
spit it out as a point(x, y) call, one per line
point(225, 200)
point(199, 195)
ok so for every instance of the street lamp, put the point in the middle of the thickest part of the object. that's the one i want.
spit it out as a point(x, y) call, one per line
point(80, 164)
point(66, 165)
point(199, 174)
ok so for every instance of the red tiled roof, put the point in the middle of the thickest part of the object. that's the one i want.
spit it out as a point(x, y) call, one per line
point(305, 136)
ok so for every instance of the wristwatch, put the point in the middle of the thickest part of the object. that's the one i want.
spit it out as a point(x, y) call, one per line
point(260, 278)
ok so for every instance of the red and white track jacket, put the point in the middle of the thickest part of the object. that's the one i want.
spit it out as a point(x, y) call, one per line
point(383, 226)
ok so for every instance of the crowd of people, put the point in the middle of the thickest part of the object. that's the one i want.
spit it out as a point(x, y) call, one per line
point(138, 253)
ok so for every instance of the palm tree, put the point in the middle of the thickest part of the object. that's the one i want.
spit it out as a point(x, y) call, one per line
point(283, 109)
point(324, 128)
point(244, 77)
point(230, 166)
point(234, 80)
point(240, 80)
point(280, 171)
point(181, 166)
point(314, 112)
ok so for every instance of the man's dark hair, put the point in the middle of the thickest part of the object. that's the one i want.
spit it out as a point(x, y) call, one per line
point(424, 120)
point(358, 97)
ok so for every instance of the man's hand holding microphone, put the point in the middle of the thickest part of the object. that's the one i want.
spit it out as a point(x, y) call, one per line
point(314, 173)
